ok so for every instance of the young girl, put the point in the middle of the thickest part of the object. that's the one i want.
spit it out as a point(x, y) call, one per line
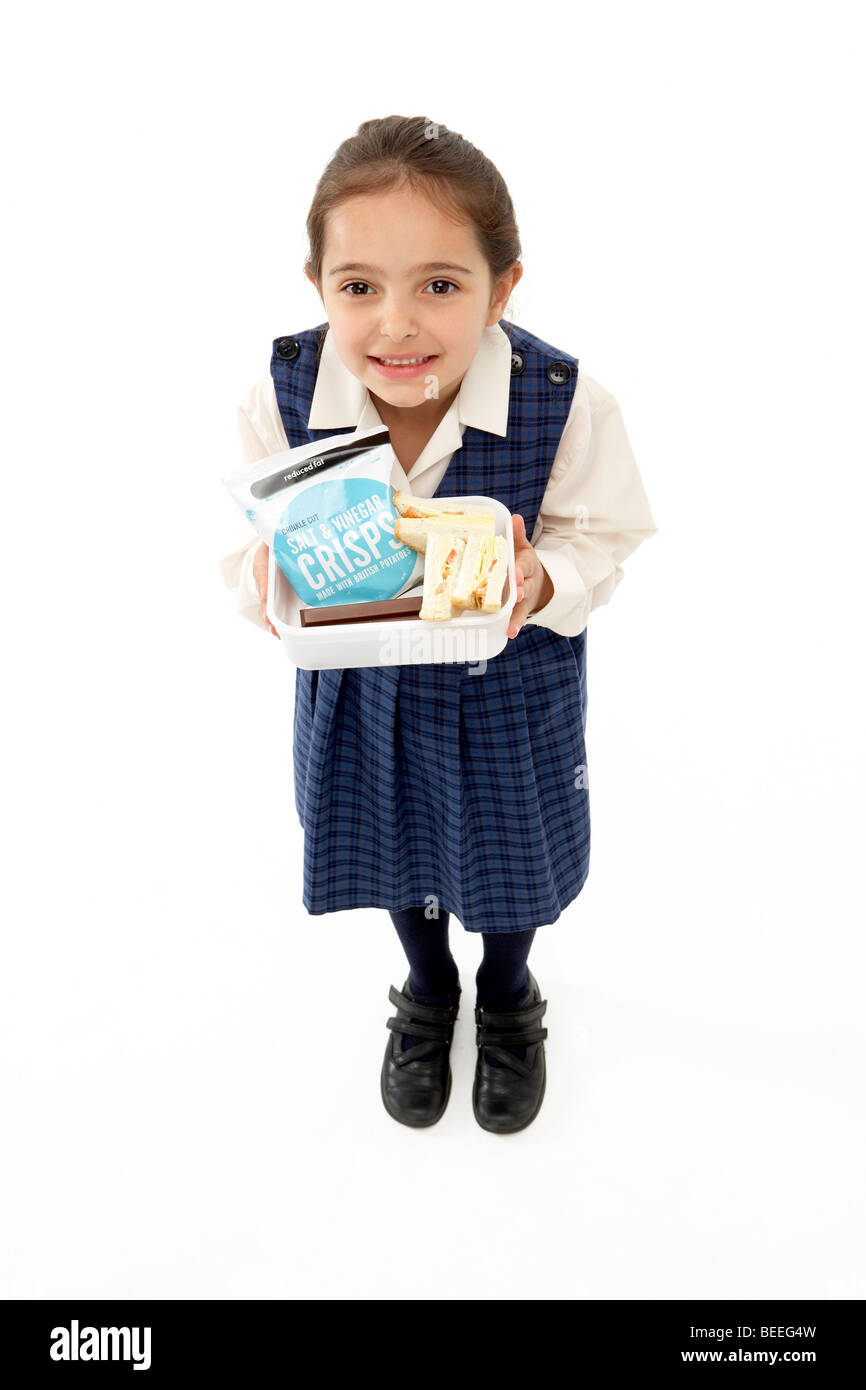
point(427, 790)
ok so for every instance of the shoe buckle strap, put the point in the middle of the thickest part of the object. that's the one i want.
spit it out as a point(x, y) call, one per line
point(484, 1036)
point(440, 1031)
point(430, 1013)
point(510, 1060)
point(418, 1052)
point(514, 1018)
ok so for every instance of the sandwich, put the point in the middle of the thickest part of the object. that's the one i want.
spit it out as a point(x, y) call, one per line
point(419, 517)
point(463, 573)
point(488, 594)
point(415, 531)
point(407, 505)
point(442, 562)
point(465, 562)
point(482, 574)
point(476, 559)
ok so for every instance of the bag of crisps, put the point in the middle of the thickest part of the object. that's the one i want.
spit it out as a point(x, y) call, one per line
point(326, 509)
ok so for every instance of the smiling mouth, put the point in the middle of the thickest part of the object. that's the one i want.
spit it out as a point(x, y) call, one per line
point(404, 361)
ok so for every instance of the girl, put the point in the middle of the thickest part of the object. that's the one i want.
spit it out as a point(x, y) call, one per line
point(461, 788)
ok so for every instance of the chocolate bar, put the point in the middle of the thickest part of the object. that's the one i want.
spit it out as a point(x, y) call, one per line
point(383, 611)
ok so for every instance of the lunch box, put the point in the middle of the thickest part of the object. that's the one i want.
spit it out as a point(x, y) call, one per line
point(470, 636)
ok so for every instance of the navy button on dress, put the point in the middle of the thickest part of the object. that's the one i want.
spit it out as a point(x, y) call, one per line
point(452, 783)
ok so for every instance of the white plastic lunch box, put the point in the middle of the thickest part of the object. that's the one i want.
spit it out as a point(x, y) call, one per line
point(469, 636)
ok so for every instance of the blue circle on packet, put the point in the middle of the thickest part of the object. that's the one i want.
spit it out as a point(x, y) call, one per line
point(332, 553)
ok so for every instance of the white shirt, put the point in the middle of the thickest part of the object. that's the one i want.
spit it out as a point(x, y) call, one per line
point(594, 512)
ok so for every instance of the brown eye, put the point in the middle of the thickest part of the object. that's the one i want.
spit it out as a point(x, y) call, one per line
point(442, 282)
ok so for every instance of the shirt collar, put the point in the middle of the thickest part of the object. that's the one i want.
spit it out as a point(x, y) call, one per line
point(340, 399)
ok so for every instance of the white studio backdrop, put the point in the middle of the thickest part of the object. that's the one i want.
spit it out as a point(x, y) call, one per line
point(178, 1122)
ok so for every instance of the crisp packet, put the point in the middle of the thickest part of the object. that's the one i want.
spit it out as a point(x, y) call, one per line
point(327, 511)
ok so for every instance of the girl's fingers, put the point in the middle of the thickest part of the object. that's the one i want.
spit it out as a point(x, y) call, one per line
point(518, 615)
point(263, 614)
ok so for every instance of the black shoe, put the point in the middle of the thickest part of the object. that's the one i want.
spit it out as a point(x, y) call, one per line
point(508, 1098)
point(416, 1083)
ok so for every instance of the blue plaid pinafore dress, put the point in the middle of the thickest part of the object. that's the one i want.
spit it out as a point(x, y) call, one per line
point(439, 785)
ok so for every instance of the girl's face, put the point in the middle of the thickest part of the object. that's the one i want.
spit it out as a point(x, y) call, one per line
point(400, 281)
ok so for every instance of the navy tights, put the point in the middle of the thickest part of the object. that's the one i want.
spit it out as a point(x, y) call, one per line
point(502, 978)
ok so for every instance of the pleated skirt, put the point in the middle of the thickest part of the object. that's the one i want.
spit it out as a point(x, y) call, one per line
point(461, 786)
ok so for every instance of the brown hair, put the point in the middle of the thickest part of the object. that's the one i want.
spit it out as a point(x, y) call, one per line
point(415, 151)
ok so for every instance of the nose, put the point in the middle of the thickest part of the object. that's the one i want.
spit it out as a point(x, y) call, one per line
point(397, 322)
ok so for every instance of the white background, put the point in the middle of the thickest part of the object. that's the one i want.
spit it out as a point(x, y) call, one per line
point(190, 1063)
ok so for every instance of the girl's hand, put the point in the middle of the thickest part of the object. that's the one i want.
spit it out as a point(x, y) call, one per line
point(534, 585)
point(260, 576)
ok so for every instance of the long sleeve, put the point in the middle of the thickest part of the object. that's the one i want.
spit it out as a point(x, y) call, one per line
point(237, 572)
point(259, 437)
point(594, 512)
